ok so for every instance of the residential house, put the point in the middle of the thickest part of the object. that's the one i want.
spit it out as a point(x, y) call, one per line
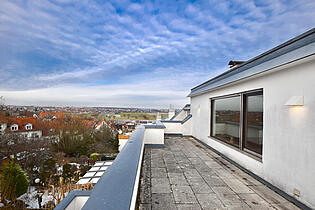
point(25, 126)
point(261, 114)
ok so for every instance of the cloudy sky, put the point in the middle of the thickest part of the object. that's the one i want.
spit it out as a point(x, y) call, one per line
point(144, 54)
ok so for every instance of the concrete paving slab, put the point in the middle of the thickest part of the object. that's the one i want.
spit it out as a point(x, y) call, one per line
point(237, 186)
point(145, 206)
point(177, 179)
point(158, 173)
point(255, 201)
point(200, 187)
point(160, 185)
point(210, 201)
point(222, 190)
point(163, 201)
point(187, 175)
point(183, 194)
point(188, 206)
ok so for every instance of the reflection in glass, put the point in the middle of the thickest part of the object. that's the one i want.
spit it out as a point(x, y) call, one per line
point(226, 119)
point(254, 122)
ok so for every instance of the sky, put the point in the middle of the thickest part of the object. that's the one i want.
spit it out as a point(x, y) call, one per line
point(133, 54)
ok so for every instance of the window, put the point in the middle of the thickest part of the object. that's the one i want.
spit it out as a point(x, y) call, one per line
point(14, 127)
point(28, 126)
point(226, 119)
point(238, 120)
point(253, 128)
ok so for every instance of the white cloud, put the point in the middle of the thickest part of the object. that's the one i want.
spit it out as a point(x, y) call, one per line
point(49, 46)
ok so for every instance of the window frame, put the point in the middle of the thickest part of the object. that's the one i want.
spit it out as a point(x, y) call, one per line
point(243, 118)
point(211, 118)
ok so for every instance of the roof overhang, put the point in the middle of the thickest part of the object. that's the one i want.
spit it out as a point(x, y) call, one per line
point(297, 48)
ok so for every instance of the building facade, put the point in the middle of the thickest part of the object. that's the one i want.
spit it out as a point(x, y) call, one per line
point(261, 114)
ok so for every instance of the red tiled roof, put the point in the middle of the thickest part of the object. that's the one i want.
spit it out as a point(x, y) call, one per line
point(89, 123)
point(99, 123)
point(48, 114)
point(22, 122)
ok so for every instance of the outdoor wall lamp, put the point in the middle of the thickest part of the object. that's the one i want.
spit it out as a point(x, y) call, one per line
point(295, 101)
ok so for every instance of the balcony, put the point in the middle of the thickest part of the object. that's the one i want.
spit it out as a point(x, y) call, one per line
point(175, 172)
point(185, 174)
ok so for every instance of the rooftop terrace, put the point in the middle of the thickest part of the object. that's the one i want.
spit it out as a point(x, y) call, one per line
point(185, 174)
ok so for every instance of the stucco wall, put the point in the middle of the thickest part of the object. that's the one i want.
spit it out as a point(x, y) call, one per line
point(153, 136)
point(186, 128)
point(172, 128)
point(181, 115)
point(288, 134)
point(77, 203)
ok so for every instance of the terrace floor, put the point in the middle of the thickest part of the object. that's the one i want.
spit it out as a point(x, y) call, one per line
point(187, 175)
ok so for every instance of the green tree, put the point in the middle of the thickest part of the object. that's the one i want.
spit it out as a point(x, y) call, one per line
point(47, 170)
point(13, 181)
point(68, 171)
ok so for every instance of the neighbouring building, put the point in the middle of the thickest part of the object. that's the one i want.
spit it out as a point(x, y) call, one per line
point(261, 114)
point(24, 126)
point(180, 122)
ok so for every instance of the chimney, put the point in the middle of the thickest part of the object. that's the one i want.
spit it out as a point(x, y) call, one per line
point(171, 112)
point(235, 63)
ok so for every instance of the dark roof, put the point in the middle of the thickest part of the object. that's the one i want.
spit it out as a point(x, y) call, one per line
point(186, 118)
point(294, 49)
point(186, 107)
point(235, 63)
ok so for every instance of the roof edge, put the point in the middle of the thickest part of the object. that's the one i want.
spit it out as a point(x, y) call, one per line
point(290, 41)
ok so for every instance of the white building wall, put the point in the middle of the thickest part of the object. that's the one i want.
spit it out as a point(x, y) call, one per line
point(154, 136)
point(31, 134)
point(77, 203)
point(288, 134)
point(172, 128)
point(122, 143)
point(186, 128)
point(3, 126)
point(180, 116)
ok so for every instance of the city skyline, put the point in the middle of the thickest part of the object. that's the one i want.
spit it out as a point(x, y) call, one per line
point(133, 54)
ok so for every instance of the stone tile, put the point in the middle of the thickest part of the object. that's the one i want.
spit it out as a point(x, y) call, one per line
point(213, 180)
point(163, 201)
point(185, 166)
point(188, 207)
point(230, 199)
point(203, 168)
point(177, 179)
point(286, 206)
point(145, 192)
point(195, 161)
point(158, 173)
point(219, 190)
point(157, 163)
point(183, 194)
point(246, 179)
point(145, 206)
point(173, 168)
point(187, 175)
point(238, 206)
point(160, 185)
point(237, 186)
point(269, 195)
point(209, 201)
point(213, 164)
point(255, 201)
point(204, 156)
point(191, 173)
point(201, 187)
point(222, 173)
